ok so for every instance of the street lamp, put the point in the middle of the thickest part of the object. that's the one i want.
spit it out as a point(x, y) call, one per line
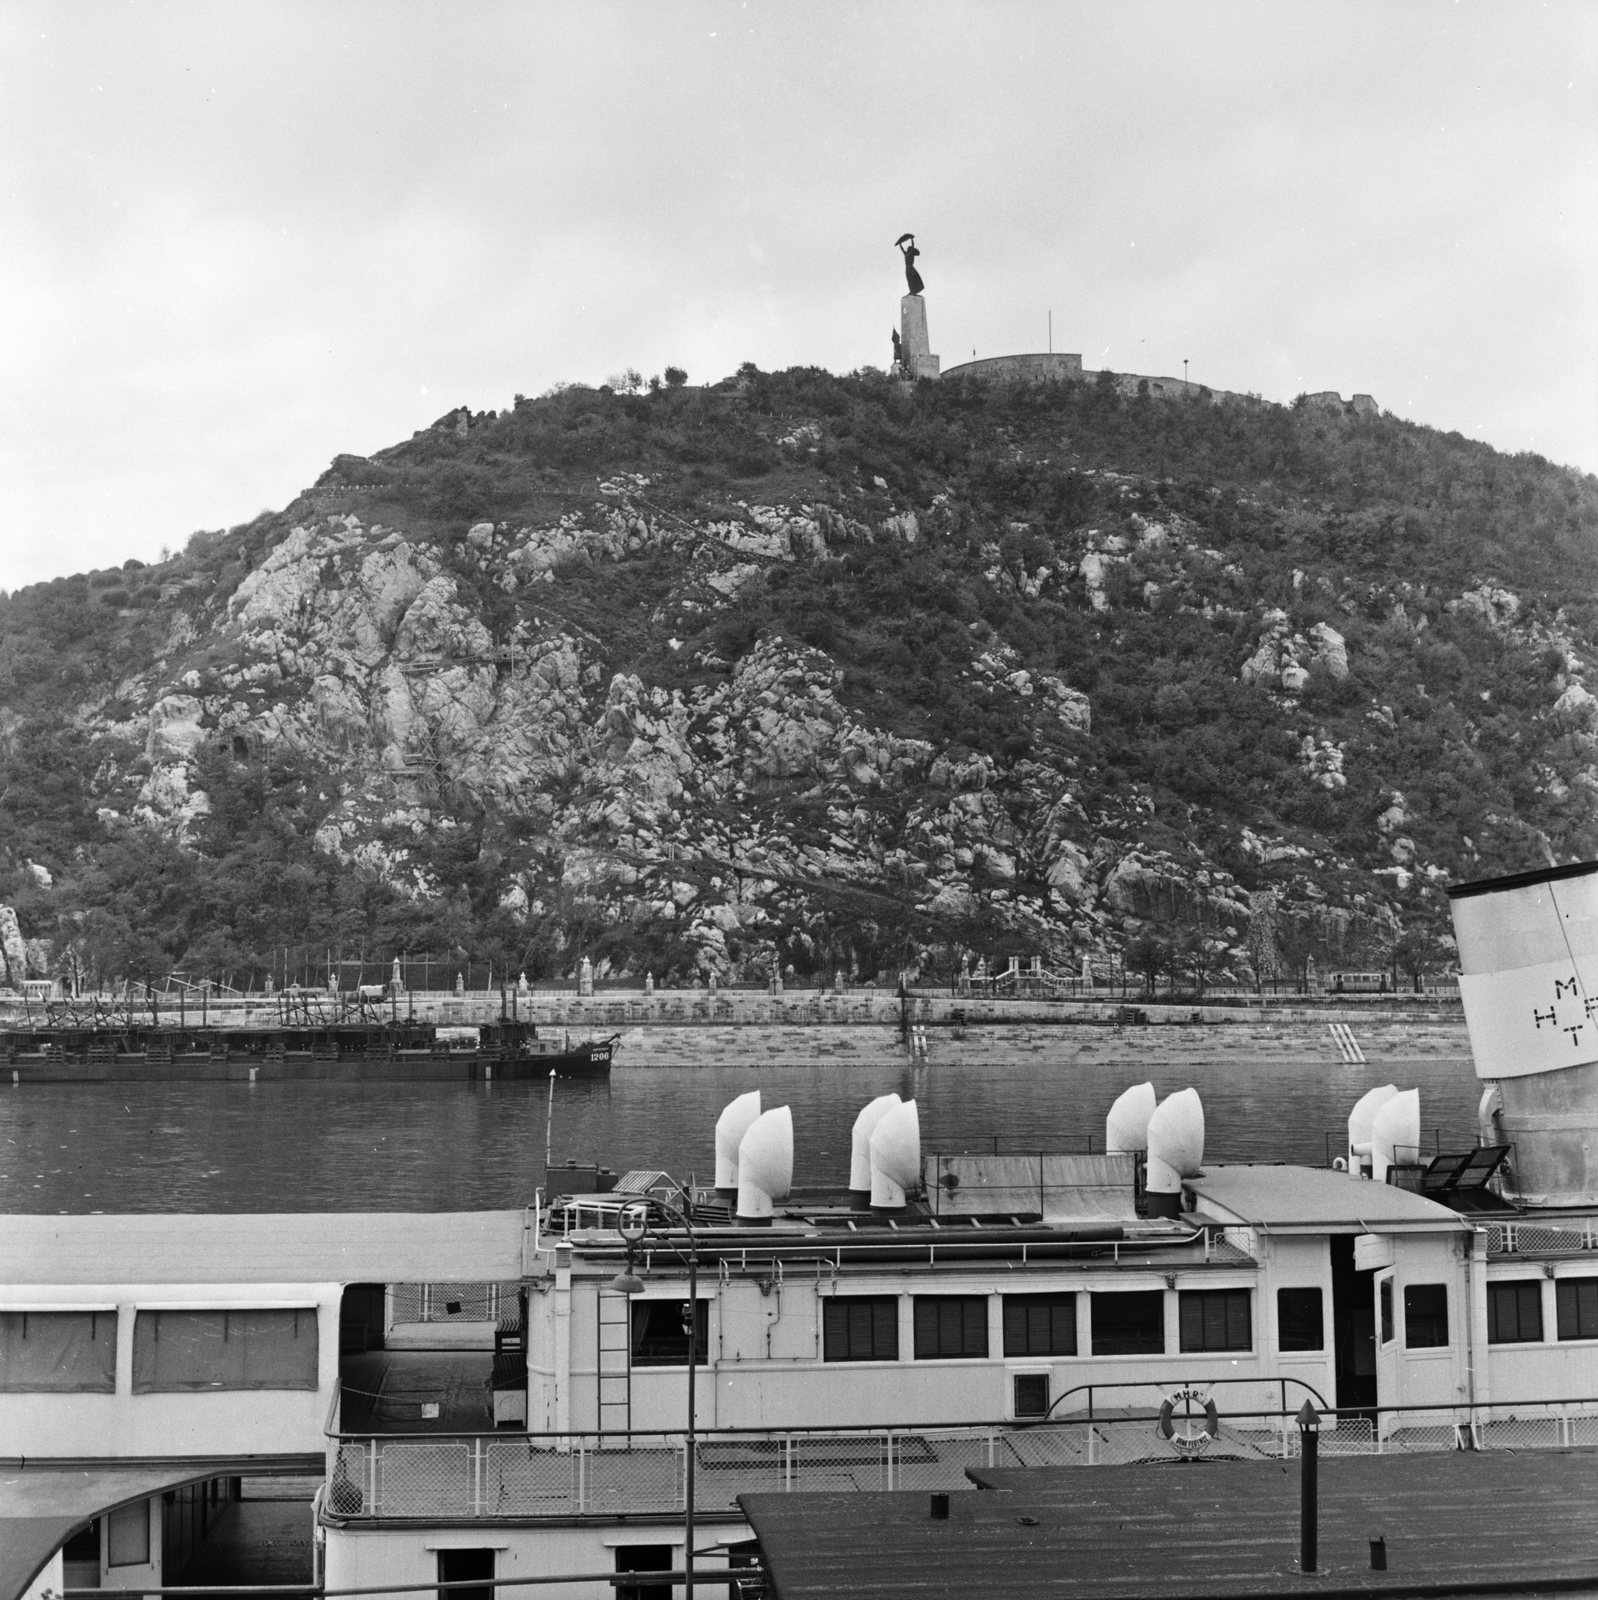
point(633, 1225)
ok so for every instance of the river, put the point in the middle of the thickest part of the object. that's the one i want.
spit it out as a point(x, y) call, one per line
point(374, 1147)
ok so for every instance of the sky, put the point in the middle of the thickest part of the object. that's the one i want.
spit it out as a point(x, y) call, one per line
point(241, 239)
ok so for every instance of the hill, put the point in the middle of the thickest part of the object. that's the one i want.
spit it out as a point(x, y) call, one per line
point(817, 672)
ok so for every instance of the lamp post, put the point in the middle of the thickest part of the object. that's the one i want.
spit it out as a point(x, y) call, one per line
point(633, 1225)
point(1309, 1428)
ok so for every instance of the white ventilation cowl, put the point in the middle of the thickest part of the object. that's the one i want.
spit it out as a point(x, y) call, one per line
point(1360, 1122)
point(731, 1126)
point(765, 1164)
point(1126, 1128)
point(860, 1146)
point(1176, 1142)
point(895, 1155)
point(1395, 1135)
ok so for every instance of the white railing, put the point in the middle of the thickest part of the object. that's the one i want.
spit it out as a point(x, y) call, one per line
point(1540, 1238)
point(476, 1476)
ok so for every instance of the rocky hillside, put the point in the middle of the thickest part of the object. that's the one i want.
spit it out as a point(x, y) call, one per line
point(816, 672)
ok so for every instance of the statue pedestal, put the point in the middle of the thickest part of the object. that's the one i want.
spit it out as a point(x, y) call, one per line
point(916, 357)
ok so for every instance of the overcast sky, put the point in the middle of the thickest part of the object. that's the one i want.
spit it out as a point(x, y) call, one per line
point(239, 239)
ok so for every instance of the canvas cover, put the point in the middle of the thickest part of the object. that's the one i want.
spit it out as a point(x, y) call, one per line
point(1057, 1187)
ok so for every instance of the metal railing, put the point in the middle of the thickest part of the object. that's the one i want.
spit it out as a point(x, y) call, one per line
point(1540, 1238)
point(415, 1303)
point(482, 1476)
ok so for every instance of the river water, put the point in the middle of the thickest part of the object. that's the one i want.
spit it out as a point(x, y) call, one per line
point(372, 1147)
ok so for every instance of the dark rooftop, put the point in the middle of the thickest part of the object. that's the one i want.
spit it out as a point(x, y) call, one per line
point(1496, 1522)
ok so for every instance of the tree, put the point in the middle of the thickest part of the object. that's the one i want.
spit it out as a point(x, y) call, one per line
point(1149, 955)
point(675, 377)
point(1417, 952)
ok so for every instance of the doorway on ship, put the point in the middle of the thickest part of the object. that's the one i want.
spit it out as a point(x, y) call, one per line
point(1353, 1327)
point(361, 1318)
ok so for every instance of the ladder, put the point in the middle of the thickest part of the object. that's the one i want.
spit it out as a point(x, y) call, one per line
point(1347, 1044)
point(615, 1364)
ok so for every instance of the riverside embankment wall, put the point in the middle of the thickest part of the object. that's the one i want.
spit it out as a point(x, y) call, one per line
point(865, 1006)
point(746, 1029)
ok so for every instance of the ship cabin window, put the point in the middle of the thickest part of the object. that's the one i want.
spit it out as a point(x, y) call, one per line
point(58, 1352)
point(641, 1558)
point(175, 1352)
point(1385, 1295)
point(1576, 1301)
point(951, 1325)
point(1039, 1325)
point(1300, 1323)
point(1425, 1315)
point(1515, 1312)
point(1214, 1319)
point(660, 1333)
point(127, 1536)
point(1129, 1324)
point(1031, 1394)
point(466, 1566)
point(861, 1327)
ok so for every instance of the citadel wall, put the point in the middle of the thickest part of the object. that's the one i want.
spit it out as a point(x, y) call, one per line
point(1058, 367)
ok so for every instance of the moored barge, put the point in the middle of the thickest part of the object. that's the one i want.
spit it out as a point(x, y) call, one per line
point(396, 1051)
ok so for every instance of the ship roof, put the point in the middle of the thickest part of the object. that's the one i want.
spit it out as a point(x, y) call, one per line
point(1315, 1199)
point(1220, 1528)
point(256, 1247)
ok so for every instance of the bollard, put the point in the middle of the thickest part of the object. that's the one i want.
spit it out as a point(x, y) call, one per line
point(1379, 1553)
point(940, 1508)
point(1309, 1427)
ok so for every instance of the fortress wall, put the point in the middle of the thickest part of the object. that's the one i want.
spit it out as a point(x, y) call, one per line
point(1041, 368)
point(1362, 405)
point(1062, 368)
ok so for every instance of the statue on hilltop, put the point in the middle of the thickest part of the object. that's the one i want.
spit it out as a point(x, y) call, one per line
point(907, 248)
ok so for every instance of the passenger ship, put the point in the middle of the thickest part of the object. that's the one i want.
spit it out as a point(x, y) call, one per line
point(503, 1395)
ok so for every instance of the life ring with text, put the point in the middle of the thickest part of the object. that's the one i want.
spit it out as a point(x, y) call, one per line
point(1186, 1440)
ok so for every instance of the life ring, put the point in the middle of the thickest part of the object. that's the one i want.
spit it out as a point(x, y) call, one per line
point(1184, 1439)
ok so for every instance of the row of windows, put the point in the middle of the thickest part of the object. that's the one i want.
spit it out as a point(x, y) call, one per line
point(1515, 1310)
point(174, 1352)
point(866, 1327)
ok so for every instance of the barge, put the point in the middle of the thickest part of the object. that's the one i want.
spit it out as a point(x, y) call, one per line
point(65, 1050)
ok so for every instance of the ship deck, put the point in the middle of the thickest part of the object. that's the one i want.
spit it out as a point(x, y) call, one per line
point(1501, 1523)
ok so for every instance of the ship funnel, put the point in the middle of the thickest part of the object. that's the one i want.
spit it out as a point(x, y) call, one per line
point(731, 1126)
point(1395, 1133)
point(765, 1165)
point(860, 1153)
point(895, 1156)
point(1126, 1128)
point(1176, 1150)
point(1528, 960)
point(1360, 1121)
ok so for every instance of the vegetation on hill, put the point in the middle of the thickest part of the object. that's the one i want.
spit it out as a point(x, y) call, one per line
point(1329, 664)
